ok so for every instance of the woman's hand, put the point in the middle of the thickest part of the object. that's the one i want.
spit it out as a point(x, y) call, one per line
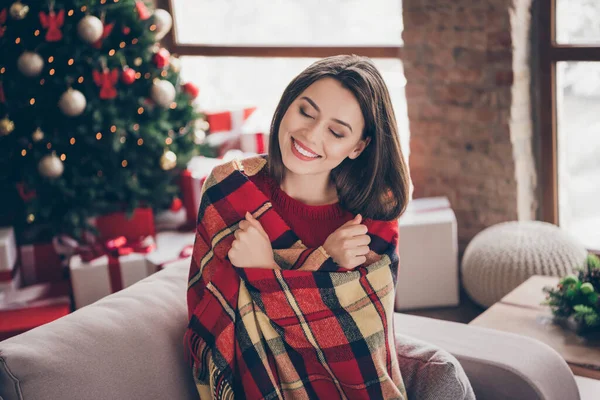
point(349, 244)
point(251, 247)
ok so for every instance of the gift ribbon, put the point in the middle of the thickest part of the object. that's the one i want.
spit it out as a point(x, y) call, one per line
point(184, 253)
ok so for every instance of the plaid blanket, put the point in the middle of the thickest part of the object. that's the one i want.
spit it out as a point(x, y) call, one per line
point(308, 330)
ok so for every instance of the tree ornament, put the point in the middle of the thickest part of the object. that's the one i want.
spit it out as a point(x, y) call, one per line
point(37, 135)
point(163, 93)
point(106, 81)
point(138, 61)
point(128, 75)
point(142, 10)
point(199, 136)
point(126, 30)
point(163, 22)
point(106, 31)
point(2, 22)
point(51, 166)
point(53, 22)
point(30, 64)
point(2, 96)
point(175, 64)
point(161, 58)
point(18, 10)
point(72, 103)
point(25, 193)
point(191, 89)
point(168, 160)
point(6, 126)
point(176, 204)
point(90, 29)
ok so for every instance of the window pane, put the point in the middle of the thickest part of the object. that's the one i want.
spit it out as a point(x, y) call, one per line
point(289, 22)
point(578, 22)
point(578, 91)
point(233, 82)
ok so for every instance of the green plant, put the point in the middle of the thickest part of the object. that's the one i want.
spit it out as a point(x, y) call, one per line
point(577, 296)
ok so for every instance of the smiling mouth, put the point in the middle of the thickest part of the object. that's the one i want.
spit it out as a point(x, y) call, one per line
point(303, 150)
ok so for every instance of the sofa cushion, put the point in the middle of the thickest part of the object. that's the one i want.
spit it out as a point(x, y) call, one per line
point(431, 373)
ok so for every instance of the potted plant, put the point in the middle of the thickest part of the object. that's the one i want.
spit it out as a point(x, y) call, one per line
point(575, 301)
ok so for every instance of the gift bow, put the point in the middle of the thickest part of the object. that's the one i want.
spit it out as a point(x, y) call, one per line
point(67, 246)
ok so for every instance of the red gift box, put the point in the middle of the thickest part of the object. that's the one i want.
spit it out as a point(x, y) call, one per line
point(28, 308)
point(227, 121)
point(191, 181)
point(141, 224)
point(39, 263)
point(254, 143)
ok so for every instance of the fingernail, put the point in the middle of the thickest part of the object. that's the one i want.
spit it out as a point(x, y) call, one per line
point(248, 215)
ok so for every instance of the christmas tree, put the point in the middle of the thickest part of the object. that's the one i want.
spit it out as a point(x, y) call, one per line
point(93, 115)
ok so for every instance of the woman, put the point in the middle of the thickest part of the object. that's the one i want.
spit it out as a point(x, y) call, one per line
point(291, 287)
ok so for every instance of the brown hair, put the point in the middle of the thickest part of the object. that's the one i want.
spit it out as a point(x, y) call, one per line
point(375, 184)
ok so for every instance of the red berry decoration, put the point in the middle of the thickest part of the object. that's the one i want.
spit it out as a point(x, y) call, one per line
point(176, 204)
point(128, 76)
point(191, 89)
point(161, 58)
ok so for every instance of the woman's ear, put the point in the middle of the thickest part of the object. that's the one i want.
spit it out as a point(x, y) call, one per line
point(360, 147)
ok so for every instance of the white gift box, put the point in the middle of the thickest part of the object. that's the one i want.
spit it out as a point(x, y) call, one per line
point(428, 248)
point(102, 276)
point(171, 247)
point(8, 249)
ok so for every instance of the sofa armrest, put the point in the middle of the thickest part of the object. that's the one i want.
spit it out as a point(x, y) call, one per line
point(128, 345)
point(499, 365)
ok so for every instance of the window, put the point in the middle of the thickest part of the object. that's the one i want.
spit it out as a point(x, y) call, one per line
point(569, 116)
point(244, 53)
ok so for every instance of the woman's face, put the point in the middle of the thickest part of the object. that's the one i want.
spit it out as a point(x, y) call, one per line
point(321, 128)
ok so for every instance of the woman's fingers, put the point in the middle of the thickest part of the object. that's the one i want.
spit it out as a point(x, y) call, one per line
point(244, 224)
point(361, 251)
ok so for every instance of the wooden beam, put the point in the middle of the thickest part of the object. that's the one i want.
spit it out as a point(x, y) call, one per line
point(283, 51)
point(574, 53)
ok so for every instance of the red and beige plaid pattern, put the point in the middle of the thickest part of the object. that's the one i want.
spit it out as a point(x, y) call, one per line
point(305, 331)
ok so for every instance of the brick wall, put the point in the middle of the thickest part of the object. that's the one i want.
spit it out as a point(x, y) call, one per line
point(468, 93)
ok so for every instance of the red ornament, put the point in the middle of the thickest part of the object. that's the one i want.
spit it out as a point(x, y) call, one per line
point(162, 57)
point(107, 30)
point(128, 76)
point(176, 204)
point(126, 30)
point(107, 80)
point(142, 10)
point(191, 89)
point(25, 194)
point(2, 96)
point(2, 22)
point(53, 22)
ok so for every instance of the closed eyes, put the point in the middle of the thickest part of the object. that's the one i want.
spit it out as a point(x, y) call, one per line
point(337, 135)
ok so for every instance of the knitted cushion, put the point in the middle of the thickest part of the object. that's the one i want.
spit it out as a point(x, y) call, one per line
point(503, 256)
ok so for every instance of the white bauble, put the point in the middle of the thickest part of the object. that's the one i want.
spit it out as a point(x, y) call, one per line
point(30, 64)
point(90, 29)
point(51, 166)
point(163, 22)
point(72, 103)
point(163, 93)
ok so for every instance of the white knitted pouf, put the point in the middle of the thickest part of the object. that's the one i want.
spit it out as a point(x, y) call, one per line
point(503, 256)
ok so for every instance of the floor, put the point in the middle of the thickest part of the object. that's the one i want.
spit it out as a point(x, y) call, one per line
point(464, 313)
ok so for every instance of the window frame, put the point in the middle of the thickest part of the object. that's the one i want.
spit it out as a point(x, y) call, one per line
point(171, 43)
point(550, 54)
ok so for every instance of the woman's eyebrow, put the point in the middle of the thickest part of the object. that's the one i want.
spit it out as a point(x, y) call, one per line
point(312, 103)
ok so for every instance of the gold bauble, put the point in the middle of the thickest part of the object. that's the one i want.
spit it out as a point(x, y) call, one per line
point(30, 218)
point(51, 166)
point(168, 160)
point(37, 135)
point(19, 10)
point(6, 126)
point(138, 61)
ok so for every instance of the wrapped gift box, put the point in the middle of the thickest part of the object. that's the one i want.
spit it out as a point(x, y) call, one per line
point(39, 263)
point(191, 181)
point(254, 138)
point(33, 306)
point(141, 224)
point(428, 248)
point(171, 247)
point(225, 128)
point(8, 249)
point(104, 275)
point(255, 143)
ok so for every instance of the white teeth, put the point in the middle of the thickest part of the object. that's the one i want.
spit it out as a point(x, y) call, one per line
point(304, 152)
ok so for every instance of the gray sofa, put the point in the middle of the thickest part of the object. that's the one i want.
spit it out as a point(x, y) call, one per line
point(129, 346)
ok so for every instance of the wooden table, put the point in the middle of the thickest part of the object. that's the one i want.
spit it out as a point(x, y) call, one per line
point(520, 312)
